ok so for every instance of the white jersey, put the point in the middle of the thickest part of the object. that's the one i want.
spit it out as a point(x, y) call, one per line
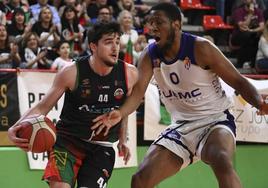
point(188, 91)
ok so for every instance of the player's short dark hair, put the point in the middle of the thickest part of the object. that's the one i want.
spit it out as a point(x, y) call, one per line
point(102, 28)
point(172, 11)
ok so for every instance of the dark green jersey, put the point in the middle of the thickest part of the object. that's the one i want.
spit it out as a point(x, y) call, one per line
point(92, 96)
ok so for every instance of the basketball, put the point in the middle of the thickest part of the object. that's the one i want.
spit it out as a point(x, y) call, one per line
point(40, 131)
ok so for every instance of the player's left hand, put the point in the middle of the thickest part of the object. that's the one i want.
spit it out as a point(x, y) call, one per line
point(124, 151)
point(106, 122)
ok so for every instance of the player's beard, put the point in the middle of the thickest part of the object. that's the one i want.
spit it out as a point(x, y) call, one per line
point(169, 42)
point(108, 63)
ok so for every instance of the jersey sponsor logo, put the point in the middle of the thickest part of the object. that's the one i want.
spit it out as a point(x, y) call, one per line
point(118, 94)
point(85, 82)
point(93, 109)
point(85, 91)
point(182, 95)
point(187, 63)
point(103, 87)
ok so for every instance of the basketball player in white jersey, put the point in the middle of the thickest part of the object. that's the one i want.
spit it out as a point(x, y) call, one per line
point(187, 69)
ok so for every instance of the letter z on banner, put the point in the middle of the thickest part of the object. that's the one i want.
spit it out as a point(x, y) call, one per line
point(32, 86)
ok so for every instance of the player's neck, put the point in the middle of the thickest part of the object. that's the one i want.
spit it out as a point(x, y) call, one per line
point(99, 67)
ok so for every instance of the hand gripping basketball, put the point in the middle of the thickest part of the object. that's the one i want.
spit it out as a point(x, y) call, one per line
point(40, 131)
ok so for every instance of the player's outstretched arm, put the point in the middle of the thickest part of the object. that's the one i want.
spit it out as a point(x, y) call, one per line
point(45, 105)
point(123, 149)
point(209, 56)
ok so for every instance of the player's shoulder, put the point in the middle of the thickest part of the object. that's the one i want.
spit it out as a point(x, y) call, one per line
point(68, 70)
point(131, 69)
point(203, 44)
point(205, 40)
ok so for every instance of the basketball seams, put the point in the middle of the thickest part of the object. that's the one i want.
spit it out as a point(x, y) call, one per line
point(41, 127)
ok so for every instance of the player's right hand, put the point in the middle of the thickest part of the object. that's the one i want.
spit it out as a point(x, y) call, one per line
point(106, 121)
point(19, 142)
point(263, 110)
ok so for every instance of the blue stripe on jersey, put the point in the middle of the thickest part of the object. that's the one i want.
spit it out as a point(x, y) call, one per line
point(186, 50)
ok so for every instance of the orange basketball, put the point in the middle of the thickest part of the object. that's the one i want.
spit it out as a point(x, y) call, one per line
point(40, 131)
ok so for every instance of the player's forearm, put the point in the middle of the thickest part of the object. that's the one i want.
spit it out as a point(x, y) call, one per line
point(250, 94)
point(132, 102)
point(123, 131)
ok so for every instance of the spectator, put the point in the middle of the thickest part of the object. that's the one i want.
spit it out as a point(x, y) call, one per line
point(249, 23)
point(33, 56)
point(139, 47)
point(71, 30)
point(9, 56)
point(18, 28)
point(262, 53)
point(36, 8)
point(104, 14)
point(47, 31)
point(63, 49)
point(92, 9)
point(125, 19)
point(129, 5)
point(12, 5)
point(80, 8)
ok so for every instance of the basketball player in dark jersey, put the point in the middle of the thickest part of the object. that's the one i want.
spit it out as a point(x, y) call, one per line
point(187, 69)
point(92, 85)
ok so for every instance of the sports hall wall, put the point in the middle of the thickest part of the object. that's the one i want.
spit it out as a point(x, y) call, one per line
point(250, 161)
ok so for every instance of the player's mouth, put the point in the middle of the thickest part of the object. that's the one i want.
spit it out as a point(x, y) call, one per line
point(114, 56)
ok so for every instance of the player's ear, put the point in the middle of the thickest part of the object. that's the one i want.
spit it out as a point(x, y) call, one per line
point(177, 24)
point(92, 46)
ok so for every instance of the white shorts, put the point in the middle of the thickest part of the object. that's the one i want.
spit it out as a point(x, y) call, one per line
point(187, 138)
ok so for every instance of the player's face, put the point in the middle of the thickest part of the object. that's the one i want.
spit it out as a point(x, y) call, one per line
point(161, 29)
point(108, 49)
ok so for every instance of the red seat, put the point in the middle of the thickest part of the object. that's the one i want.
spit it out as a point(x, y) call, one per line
point(194, 4)
point(215, 22)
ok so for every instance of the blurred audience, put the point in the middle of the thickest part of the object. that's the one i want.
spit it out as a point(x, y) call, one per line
point(104, 14)
point(57, 31)
point(33, 56)
point(249, 24)
point(9, 53)
point(18, 27)
point(125, 18)
point(261, 65)
point(71, 30)
point(36, 8)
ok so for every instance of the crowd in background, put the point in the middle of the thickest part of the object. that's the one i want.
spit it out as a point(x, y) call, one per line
point(46, 34)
